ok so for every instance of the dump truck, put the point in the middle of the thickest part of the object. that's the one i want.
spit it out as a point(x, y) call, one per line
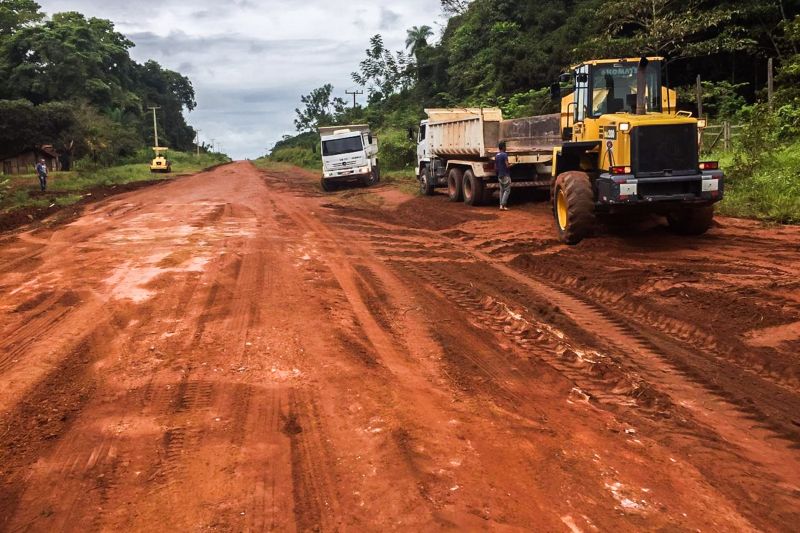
point(456, 149)
point(349, 154)
point(627, 149)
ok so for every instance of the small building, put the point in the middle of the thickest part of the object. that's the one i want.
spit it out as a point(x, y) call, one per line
point(25, 162)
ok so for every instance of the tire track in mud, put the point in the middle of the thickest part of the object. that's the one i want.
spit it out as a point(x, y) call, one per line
point(683, 332)
point(763, 401)
point(649, 384)
point(38, 423)
point(601, 378)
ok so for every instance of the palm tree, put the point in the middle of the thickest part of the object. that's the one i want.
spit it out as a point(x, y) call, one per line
point(418, 38)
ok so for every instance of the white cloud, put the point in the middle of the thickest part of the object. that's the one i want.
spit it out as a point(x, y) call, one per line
point(251, 60)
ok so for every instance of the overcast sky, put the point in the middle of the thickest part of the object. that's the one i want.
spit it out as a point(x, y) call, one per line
point(250, 60)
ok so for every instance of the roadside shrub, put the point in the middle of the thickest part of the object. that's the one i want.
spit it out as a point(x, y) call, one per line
point(528, 104)
point(757, 141)
point(788, 121)
point(298, 156)
point(721, 100)
point(395, 150)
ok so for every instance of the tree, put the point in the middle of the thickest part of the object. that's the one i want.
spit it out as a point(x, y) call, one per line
point(383, 73)
point(671, 28)
point(418, 38)
point(455, 7)
point(16, 14)
point(319, 109)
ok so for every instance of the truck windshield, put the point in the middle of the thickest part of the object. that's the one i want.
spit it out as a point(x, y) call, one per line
point(342, 146)
point(614, 88)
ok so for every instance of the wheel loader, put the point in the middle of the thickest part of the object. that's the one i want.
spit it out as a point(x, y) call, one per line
point(160, 163)
point(626, 149)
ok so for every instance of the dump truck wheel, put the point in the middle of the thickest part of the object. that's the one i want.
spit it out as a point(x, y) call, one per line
point(327, 186)
point(426, 186)
point(573, 206)
point(473, 189)
point(454, 184)
point(692, 221)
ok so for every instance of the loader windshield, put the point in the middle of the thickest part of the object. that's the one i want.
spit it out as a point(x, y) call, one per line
point(346, 145)
point(614, 88)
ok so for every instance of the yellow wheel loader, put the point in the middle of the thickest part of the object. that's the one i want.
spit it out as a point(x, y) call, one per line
point(625, 148)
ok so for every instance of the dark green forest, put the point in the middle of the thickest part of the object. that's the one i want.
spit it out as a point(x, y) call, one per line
point(507, 52)
point(69, 81)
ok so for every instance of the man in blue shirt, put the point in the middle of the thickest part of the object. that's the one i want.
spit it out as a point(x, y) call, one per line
point(41, 170)
point(503, 175)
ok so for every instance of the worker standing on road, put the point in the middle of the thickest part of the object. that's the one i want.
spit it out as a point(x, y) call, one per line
point(41, 170)
point(503, 175)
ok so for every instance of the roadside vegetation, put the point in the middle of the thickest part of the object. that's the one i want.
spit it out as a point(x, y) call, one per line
point(67, 188)
point(506, 53)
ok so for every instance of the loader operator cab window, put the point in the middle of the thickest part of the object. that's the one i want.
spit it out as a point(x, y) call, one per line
point(614, 88)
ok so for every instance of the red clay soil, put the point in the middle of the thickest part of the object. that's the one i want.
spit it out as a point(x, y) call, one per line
point(237, 351)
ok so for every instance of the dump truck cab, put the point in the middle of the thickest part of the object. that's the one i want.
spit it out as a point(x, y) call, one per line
point(349, 153)
point(630, 148)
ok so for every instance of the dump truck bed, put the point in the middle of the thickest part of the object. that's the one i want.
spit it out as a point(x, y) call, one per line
point(475, 133)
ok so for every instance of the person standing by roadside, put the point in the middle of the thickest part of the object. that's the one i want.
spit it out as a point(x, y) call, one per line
point(41, 170)
point(503, 175)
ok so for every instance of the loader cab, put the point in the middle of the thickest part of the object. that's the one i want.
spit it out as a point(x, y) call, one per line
point(608, 87)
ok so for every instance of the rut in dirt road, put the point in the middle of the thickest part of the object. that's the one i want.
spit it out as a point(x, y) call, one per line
point(237, 350)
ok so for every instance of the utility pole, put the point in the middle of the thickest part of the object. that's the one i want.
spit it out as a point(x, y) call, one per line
point(155, 124)
point(354, 93)
point(197, 141)
point(213, 142)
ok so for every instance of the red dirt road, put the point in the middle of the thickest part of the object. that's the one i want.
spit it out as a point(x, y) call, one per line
point(236, 351)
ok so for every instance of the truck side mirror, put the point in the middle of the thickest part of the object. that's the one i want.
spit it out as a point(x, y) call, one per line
point(555, 92)
point(565, 77)
point(412, 135)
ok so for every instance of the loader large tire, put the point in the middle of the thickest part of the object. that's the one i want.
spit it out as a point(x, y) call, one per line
point(426, 184)
point(691, 221)
point(455, 184)
point(473, 189)
point(573, 206)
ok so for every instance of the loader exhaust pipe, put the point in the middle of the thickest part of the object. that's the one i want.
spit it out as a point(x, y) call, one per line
point(641, 87)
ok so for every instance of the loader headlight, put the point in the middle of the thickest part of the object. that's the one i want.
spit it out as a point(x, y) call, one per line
point(625, 126)
point(701, 123)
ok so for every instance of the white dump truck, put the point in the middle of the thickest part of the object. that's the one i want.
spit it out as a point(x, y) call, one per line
point(349, 154)
point(456, 149)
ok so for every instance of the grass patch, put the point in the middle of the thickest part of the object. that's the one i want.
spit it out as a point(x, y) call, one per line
point(297, 156)
point(65, 188)
point(771, 194)
point(405, 180)
point(265, 163)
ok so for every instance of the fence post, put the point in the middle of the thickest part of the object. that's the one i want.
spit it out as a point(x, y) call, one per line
point(726, 136)
point(699, 98)
point(770, 84)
